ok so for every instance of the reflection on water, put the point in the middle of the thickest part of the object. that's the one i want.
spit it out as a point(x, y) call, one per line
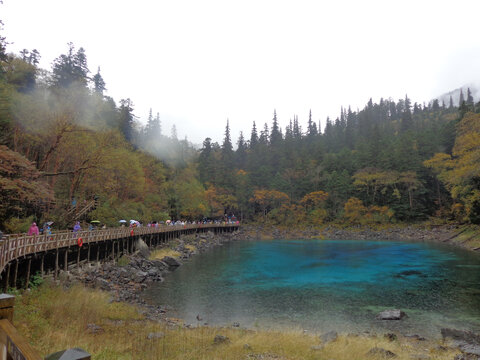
point(325, 285)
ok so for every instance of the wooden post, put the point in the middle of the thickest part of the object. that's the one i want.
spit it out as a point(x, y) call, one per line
point(78, 258)
point(28, 272)
point(98, 253)
point(56, 266)
point(15, 274)
point(88, 254)
point(113, 250)
point(42, 265)
point(7, 280)
point(65, 260)
point(7, 303)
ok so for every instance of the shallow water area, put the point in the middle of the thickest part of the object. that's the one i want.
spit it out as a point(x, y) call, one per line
point(324, 285)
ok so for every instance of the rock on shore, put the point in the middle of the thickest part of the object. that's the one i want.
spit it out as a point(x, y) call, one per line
point(126, 282)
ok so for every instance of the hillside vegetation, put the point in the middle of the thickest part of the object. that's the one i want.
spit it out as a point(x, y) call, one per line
point(63, 141)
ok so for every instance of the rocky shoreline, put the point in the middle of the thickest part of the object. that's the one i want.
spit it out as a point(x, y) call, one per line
point(440, 234)
point(128, 277)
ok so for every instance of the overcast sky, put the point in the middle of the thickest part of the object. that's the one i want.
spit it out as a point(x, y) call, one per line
point(199, 63)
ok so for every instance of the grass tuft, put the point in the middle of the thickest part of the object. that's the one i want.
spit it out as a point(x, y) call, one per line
point(159, 254)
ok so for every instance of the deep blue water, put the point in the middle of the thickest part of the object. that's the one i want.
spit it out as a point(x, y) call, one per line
point(327, 285)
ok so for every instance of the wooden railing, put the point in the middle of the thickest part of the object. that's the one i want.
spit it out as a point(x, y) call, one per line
point(19, 245)
point(12, 344)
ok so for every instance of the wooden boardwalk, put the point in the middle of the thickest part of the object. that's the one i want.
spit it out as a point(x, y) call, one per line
point(20, 246)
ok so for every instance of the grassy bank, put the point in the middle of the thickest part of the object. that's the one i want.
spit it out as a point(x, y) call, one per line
point(53, 318)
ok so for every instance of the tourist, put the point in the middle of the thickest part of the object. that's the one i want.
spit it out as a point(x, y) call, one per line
point(77, 227)
point(33, 229)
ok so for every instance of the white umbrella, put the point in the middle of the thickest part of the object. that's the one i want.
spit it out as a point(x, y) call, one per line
point(122, 221)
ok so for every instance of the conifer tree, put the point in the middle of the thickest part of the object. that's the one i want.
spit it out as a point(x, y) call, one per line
point(312, 126)
point(275, 135)
point(227, 148)
point(254, 137)
point(407, 121)
point(264, 135)
point(297, 129)
point(99, 83)
point(127, 120)
point(461, 99)
point(70, 68)
point(241, 153)
point(469, 98)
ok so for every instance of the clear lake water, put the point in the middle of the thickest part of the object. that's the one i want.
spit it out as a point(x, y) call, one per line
point(323, 285)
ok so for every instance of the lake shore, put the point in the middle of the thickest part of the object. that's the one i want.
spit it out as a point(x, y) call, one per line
point(467, 237)
point(126, 280)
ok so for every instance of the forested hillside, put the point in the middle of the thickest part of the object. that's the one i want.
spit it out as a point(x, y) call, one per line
point(391, 161)
point(63, 141)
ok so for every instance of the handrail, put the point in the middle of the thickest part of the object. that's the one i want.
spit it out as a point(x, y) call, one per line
point(14, 246)
point(15, 344)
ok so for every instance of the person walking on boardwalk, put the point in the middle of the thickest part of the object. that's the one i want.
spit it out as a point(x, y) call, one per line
point(33, 229)
point(77, 227)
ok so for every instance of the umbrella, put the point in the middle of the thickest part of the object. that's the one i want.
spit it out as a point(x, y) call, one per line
point(49, 223)
point(122, 221)
point(94, 222)
point(133, 221)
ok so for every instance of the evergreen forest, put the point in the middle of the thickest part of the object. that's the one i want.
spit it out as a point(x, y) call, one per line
point(63, 140)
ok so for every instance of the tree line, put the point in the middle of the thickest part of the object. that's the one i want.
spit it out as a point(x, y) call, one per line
point(392, 161)
point(62, 138)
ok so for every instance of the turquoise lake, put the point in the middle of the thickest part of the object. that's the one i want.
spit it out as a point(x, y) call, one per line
point(322, 285)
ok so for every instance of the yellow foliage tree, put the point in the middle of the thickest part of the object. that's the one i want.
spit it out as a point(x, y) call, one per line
point(460, 173)
point(313, 204)
point(268, 200)
point(357, 213)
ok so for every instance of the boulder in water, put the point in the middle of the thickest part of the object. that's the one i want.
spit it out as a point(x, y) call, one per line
point(171, 262)
point(393, 314)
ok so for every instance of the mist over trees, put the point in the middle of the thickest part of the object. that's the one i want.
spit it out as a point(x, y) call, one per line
point(63, 140)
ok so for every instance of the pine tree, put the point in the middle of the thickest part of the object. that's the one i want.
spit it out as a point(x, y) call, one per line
point(275, 135)
point(99, 83)
point(34, 57)
point(264, 135)
point(253, 137)
point(157, 125)
point(241, 153)
point(127, 120)
point(469, 98)
point(227, 148)
point(206, 162)
point(312, 126)
point(70, 68)
point(407, 121)
point(297, 129)
point(461, 99)
point(350, 129)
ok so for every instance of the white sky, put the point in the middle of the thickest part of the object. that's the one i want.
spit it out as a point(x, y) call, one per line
point(198, 63)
